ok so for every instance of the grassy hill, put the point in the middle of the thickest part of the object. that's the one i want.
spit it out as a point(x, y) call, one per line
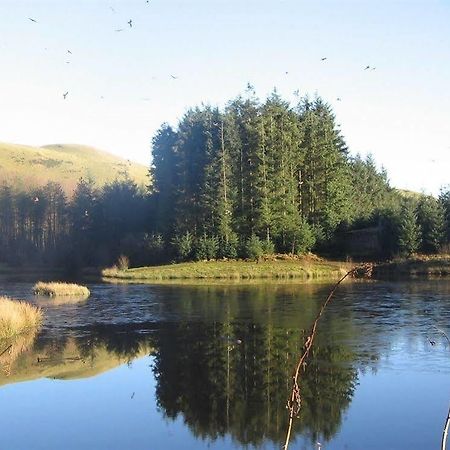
point(26, 167)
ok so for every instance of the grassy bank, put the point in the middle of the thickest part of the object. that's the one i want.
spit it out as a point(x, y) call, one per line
point(57, 289)
point(304, 268)
point(417, 266)
point(17, 317)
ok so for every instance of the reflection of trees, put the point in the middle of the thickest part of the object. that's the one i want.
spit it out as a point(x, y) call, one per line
point(220, 386)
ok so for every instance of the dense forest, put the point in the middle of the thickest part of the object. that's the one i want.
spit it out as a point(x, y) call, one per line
point(254, 178)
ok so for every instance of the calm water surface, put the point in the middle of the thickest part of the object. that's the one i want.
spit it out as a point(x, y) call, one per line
point(181, 367)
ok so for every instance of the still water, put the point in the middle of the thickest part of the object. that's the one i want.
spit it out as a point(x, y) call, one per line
point(210, 367)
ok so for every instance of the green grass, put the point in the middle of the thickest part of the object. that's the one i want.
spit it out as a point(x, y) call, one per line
point(57, 289)
point(16, 317)
point(25, 167)
point(304, 269)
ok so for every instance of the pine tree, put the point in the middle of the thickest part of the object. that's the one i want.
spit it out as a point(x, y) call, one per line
point(431, 219)
point(408, 229)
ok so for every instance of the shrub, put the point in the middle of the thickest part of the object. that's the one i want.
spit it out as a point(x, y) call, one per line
point(268, 247)
point(229, 248)
point(253, 247)
point(183, 246)
point(305, 238)
point(206, 248)
point(123, 262)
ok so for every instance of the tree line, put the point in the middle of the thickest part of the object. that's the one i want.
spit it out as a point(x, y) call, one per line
point(251, 179)
point(264, 177)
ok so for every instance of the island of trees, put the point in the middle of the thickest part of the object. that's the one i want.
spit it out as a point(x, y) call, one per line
point(251, 179)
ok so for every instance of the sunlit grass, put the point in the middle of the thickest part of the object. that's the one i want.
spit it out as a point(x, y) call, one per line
point(24, 166)
point(232, 270)
point(55, 289)
point(17, 316)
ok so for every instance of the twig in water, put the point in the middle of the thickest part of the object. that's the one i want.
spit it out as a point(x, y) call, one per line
point(294, 403)
point(447, 421)
point(445, 432)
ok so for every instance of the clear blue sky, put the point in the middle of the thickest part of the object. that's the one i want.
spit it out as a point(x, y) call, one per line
point(399, 112)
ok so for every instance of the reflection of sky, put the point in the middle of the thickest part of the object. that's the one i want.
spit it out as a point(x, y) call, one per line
point(96, 413)
point(401, 404)
point(399, 111)
point(392, 409)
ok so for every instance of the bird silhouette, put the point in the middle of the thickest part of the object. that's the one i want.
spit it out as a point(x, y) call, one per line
point(68, 51)
point(65, 94)
point(33, 20)
point(324, 58)
point(338, 99)
point(367, 68)
point(112, 9)
point(130, 22)
point(120, 29)
point(174, 77)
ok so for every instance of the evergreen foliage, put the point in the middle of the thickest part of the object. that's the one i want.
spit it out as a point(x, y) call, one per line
point(408, 229)
point(431, 218)
point(264, 170)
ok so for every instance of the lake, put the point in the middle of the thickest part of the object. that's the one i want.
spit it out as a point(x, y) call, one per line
point(210, 367)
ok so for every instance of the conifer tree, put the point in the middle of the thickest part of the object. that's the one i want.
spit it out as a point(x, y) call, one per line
point(408, 229)
point(431, 219)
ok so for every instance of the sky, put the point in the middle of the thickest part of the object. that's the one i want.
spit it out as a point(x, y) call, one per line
point(121, 84)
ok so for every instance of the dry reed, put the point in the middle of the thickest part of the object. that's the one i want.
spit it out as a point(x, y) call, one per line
point(17, 316)
point(60, 289)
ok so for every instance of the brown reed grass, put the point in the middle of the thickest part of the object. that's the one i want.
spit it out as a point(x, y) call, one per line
point(54, 289)
point(17, 316)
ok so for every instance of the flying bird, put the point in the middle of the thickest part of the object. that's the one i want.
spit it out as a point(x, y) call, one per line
point(112, 9)
point(130, 22)
point(367, 68)
point(36, 199)
point(33, 20)
point(120, 29)
point(323, 59)
point(174, 77)
point(338, 99)
point(65, 94)
point(68, 51)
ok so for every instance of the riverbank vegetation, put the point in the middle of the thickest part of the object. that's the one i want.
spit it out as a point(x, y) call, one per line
point(302, 268)
point(253, 179)
point(17, 316)
point(57, 289)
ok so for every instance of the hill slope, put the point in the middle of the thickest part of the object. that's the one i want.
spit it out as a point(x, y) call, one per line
point(26, 167)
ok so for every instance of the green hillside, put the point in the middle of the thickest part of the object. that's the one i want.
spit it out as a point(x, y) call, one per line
point(26, 167)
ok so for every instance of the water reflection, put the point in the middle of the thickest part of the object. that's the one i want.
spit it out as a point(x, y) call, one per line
point(223, 357)
point(241, 389)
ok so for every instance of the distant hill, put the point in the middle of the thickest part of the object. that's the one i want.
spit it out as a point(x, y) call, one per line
point(26, 167)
